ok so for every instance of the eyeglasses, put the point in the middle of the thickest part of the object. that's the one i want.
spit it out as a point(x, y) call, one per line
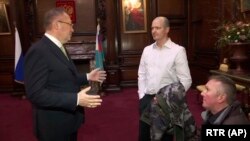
point(70, 24)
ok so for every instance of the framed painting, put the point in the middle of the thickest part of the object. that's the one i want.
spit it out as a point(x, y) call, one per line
point(4, 21)
point(69, 7)
point(244, 5)
point(134, 16)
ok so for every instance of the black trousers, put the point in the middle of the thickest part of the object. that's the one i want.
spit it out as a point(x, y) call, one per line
point(144, 128)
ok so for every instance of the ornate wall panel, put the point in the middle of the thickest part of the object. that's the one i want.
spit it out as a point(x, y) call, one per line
point(192, 24)
point(172, 8)
point(131, 45)
point(203, 54)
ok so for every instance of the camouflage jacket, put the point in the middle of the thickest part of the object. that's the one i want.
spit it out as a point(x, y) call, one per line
point(169, 113)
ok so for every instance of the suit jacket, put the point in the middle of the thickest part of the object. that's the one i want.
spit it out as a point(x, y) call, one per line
point(52, 83)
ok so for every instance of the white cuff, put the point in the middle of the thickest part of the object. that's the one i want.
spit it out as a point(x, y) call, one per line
point(77, 100)
point(87, 76)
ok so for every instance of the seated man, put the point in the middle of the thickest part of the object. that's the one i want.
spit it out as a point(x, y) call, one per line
point(219, 100)
point(168, 115)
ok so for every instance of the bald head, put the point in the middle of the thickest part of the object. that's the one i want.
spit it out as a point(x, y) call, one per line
point(164, 21)
point(160, 29)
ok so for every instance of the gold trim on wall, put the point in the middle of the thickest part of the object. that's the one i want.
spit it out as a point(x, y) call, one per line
point(4, 21)
point(244, 5)
point(134, 16)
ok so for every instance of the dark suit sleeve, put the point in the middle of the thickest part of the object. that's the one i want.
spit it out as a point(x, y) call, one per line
point(82, 79)
point(39, 91)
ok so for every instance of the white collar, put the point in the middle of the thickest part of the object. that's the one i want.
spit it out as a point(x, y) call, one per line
point(54, 40)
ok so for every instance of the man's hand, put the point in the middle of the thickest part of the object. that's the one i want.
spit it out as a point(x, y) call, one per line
point(90, 101)
point(97, 75)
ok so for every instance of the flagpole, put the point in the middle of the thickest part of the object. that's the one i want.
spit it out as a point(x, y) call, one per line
point(97, 62)
point(19, 59)
point(18, 66)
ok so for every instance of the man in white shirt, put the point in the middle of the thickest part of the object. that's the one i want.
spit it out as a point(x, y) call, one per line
point(162, 63)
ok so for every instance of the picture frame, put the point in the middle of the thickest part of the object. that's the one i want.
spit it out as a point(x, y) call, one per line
point(244, 5)
point(134, 14)
point(4, 21)
point(69, 7)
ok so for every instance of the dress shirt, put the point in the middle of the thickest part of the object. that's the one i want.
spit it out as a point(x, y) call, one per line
point(162, 66)
point(54, 40)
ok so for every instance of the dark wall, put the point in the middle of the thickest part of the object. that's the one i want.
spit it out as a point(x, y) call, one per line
point(192, 24)
point(7, 53)
point(204, 17)
point(125, 49)
point(84, 26)
point(27, 15)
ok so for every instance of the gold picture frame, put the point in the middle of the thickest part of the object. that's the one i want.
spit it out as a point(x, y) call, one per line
point(4, 21)
point(134, 14)
point(244, 5)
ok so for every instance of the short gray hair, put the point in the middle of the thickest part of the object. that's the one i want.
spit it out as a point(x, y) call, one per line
point(228, 87)
point(51, 15)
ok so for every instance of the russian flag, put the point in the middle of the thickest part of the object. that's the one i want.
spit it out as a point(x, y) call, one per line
point(99, 56)
point(19, 59)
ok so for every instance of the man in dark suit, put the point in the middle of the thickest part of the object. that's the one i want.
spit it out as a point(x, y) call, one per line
point(53, 84)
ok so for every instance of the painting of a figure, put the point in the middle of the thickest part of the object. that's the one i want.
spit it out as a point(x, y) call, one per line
point(134, 16)
point(4, 22)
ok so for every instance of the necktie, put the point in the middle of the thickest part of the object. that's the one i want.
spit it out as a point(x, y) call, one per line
point(64, 51)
